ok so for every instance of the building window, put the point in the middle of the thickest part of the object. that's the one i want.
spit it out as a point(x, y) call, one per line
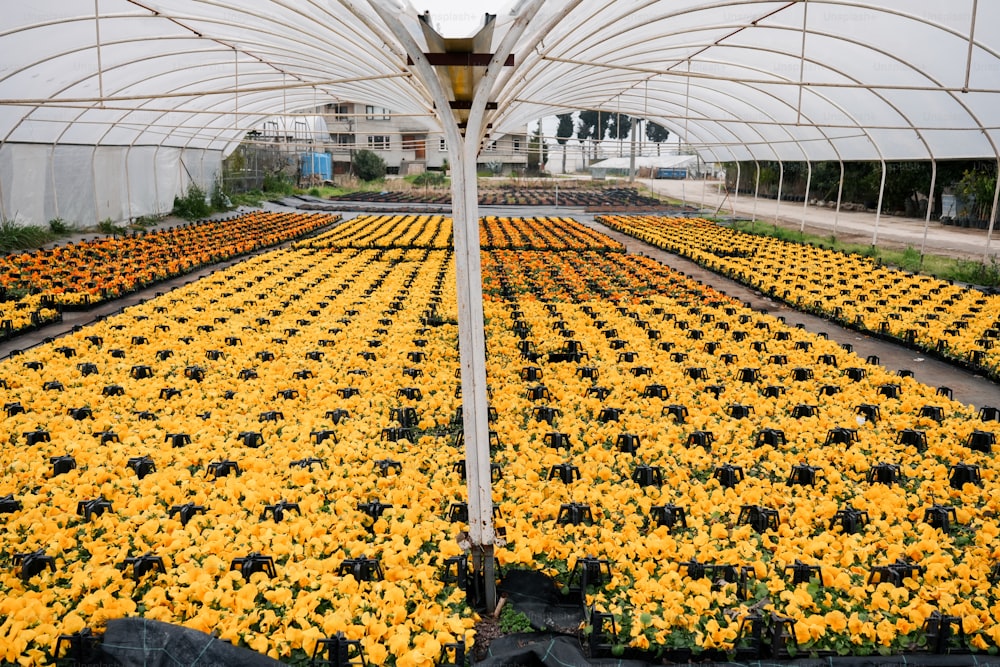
point(517, 145)
point(342, 139)
point(340, 111)
point(378, 142)
point(443, 146)
point(376, 113)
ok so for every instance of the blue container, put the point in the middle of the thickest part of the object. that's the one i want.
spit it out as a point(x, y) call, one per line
point(676, 173)
point(317, 164)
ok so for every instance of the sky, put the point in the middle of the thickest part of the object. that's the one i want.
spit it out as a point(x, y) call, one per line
point(461, 18)
point(455, 18)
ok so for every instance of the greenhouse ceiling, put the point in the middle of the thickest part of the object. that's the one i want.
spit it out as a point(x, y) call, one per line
point(790, 80)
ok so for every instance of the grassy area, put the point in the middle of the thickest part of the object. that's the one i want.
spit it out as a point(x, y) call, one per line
point(15, 237)
point(939, 266)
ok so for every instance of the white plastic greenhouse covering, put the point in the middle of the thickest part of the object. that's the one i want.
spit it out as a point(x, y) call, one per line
point(110, 108)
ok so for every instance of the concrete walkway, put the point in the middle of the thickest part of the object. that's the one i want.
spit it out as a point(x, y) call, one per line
point(850, 226)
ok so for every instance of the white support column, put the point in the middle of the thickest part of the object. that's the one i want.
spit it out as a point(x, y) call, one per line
point(128, 185)
point(704, 185)
point(93, 178)
point(840, 194)
point(993, 214)
point(736, 193)
point(463, 151)
point(156, 180)
point(878, 209)
point(781, 183)
point(805, 201)
point(756, 192)
point(930, 208)
point(52, 181)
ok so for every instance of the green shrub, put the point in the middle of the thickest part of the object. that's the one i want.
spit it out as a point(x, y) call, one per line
point(315, 192)
point(976, 272)
point(22, 237)
point(146, 221)
point(59, 226)
point(511, 621)
point(432, 178)
point(193, 205)
point(250, 198)
point(220, 200)
point(278, 183)
point(368, 166)
point(108, 226)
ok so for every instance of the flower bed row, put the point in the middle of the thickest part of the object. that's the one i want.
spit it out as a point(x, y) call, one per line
point(80, 275)
point(605, 197)
point(955, 322)
point(271, 347)
point(642, 420)
point(435, 231)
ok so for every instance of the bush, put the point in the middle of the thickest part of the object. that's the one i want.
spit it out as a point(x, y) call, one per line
point(146, 221)
point(278, 183)
point(193, 205)
point(512, 621)
point(17, 237)
point(220, 200)
point(249, 198)
point(108, 226)
point(58, 226)
point(368, 166)
point(432, 178)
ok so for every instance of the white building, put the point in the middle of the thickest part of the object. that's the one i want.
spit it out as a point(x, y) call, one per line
point(408, 144)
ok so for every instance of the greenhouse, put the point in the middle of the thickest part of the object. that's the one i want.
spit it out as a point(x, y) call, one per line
point(463, 355)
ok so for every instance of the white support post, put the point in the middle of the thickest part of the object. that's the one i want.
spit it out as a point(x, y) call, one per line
point(156, 180)
point(462, 151)
point(878, 209)
point(97, 40)
point(631, 155)
point(736, 194)
point(684, 189)
point(704, 185)
point(840, 194)
point(781, 183)
point(756, 192)
point(805, 201)
point(993, 214)
point(93, 182)
point(930, 208)
point(52, 181)
point(128, 185)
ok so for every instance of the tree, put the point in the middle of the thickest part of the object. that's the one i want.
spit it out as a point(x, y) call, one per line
point(975, 190)
point(368, 166)
point(538, 151)
point(593, 125)
point(563, 132)
point(657, 134)
point(619, 126)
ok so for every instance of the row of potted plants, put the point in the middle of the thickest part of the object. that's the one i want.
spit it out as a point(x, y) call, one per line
point(271, 453)
point(83, 274)
point(956, 322)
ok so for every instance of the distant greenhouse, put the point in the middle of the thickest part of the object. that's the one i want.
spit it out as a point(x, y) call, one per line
point(658, 166)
